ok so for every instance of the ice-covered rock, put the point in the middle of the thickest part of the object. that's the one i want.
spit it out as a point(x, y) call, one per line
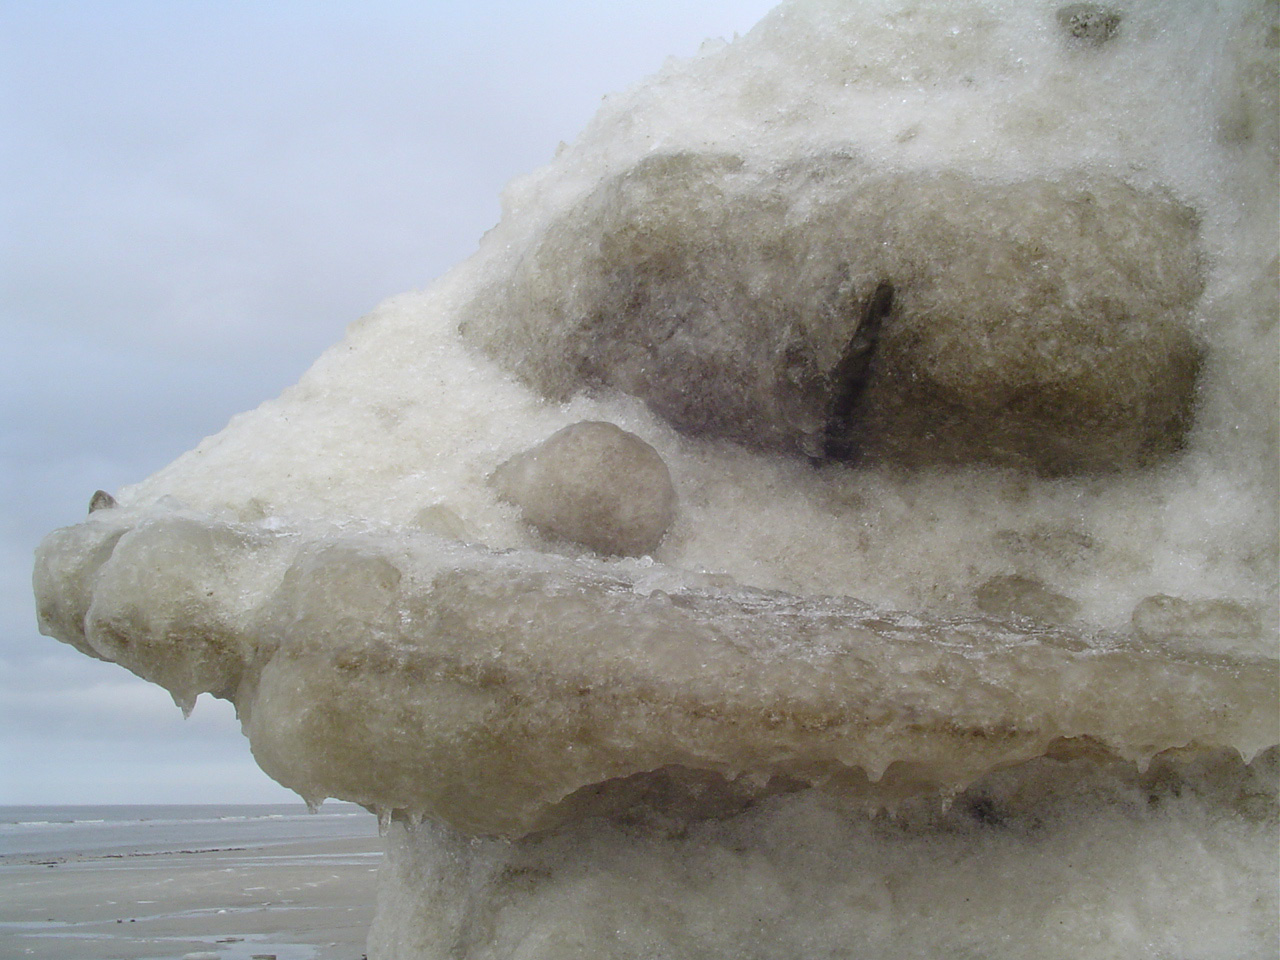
point(593, 484)
point(951, 328)
point(1043, 323)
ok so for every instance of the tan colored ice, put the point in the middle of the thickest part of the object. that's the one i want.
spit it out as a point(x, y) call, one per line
point(834, 514)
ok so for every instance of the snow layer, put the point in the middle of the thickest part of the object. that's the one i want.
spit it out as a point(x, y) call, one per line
point(952, 327)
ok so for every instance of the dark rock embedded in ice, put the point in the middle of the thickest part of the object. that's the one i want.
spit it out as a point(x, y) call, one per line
point(1089, 22)
point(594, 484)
point(1041, 324)
point(101, 500)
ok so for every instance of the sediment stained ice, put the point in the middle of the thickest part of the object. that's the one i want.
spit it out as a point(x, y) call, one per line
point(836, 505)
point(516, 679)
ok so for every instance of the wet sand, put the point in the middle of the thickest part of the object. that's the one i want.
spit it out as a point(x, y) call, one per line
point(309, 900)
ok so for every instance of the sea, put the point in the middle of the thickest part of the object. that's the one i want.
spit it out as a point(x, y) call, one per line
point(32, 833)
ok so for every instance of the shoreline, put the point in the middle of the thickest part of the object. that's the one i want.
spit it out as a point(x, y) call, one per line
point(86, 857)
point(296, 900)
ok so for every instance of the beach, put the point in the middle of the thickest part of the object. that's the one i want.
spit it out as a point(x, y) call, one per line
point(188, 883)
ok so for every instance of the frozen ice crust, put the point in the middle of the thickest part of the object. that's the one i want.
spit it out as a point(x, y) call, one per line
point(1147, 875)
point(866, 431)
point(485, 689)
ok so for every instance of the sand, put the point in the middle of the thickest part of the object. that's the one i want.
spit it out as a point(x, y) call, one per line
point(308, 900)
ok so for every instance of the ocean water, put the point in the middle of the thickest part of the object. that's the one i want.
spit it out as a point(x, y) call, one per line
point(33, 833)
point(177, 882)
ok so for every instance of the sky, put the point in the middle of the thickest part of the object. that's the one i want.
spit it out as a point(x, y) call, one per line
point(195, 200)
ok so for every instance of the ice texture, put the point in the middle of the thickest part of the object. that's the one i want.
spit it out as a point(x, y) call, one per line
point(1036, 323)
point(834, 513)
point(519, 679)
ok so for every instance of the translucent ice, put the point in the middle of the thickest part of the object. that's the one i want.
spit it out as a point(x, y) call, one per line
point(837, 504)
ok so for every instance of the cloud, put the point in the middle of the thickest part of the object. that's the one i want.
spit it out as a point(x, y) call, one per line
point(82, 731)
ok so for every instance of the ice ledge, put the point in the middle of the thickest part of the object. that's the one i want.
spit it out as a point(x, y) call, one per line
point(406, 672)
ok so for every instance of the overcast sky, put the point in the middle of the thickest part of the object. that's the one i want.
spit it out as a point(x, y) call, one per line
point(195, 199)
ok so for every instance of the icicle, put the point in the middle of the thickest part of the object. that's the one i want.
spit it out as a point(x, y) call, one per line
point(1143, 760)
point(1252, 751)
point(185, 703)
point(384, 819)
point(313, 804)
point(415, 818)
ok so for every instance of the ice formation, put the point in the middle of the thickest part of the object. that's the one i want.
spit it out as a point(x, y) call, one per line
point(833, 514)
